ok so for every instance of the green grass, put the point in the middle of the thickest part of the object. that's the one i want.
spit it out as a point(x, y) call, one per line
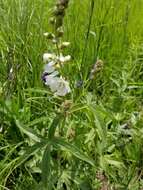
point(93, 137)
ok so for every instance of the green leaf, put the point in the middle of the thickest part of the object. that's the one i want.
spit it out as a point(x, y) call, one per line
point(113, 162)
point(54, 125)
point(28, 131)
point(46, 169)
point(36, 121)
point(30, 151)
point(78, 107)
point(73, 149)
point(85, 185)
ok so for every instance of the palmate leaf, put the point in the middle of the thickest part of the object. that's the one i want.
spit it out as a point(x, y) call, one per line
point(72, 149)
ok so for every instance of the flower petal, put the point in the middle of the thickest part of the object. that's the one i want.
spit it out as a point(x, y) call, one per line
point(64, 59)
point(48, 57)
point(49, 68)
point(63, 88)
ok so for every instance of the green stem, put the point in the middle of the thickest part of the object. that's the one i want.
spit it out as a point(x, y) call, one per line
point(87, 34)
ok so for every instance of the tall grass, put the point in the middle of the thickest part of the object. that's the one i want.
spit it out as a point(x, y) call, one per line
point(93, 138)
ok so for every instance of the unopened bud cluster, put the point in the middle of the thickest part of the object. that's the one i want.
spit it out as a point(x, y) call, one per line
point(57, 18)
point(59, 13)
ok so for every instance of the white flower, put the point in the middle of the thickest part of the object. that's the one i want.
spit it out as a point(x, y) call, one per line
point(46, 34)
point(63, 87)
point(51, 81)
point(48, 57)
point(66, 44)
point(64, 59)
point(55, 73)
point(11, 70)
point(50, 67)
point(57, 85)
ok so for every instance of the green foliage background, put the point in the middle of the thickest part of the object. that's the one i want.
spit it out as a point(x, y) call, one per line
point(63, 143)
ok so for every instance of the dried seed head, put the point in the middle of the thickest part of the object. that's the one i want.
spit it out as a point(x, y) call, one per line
point(98, 66)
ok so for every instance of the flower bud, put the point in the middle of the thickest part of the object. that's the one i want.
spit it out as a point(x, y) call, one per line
point(55, 41)
point(59, 11)
point(64, 45)
point(60, 7)
point(59, 21)
point(49, 35)
point(48, 57)
point(64, 2)
point(60, 32)
point(52, 20)
point(64, 59)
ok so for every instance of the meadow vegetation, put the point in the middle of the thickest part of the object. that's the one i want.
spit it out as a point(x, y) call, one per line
point(91, 138)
